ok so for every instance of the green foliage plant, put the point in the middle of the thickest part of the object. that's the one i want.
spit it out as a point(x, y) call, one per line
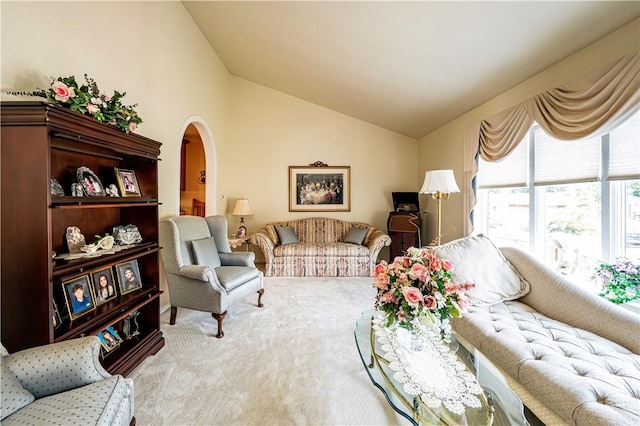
point(620, 280)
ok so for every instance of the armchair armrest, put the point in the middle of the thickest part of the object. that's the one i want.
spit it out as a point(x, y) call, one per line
point(195, 272)
point(237, 259)
point(58, 367)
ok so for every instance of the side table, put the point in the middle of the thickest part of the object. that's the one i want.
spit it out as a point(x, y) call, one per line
point(237, 242)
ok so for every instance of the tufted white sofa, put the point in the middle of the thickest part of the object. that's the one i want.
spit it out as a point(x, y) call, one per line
point(321, 250)
point(63, 384)
point(571, 356)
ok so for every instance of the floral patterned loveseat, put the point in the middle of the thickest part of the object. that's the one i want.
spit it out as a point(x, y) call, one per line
point(321, 250)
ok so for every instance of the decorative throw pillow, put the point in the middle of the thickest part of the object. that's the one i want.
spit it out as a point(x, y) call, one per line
point(356, 235)
point(205, 252)
point(286, 235)
point(477, 260)
point(271, 230)
point(14, 396)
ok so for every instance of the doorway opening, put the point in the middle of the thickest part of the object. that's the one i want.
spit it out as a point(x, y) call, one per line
point(193, 174)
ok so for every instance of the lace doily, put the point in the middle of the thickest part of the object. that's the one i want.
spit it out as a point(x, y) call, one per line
point(434, 374)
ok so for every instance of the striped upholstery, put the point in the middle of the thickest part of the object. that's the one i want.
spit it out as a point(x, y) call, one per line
point(321, 251)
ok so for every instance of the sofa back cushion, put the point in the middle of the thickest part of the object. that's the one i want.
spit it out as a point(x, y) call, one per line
point(315, 230)
point(477, 260)
point(287, 235)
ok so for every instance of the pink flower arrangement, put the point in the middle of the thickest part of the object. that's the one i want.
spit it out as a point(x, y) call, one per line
point(419, 287)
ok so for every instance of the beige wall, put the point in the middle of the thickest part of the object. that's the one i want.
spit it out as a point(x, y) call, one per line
point(444, 148)
point(271, 131)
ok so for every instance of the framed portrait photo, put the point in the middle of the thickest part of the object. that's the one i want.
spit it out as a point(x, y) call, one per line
point(127, 182)
point(128, 276)
point(319, 188)
point(91, 185)
point(109, 339)
point(78, 296)
point(104, 286)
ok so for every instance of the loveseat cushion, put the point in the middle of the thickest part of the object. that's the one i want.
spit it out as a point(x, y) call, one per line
point(582, 377)
point(14, 396)
point(477, 260)
point(356, 235)
point(286, 235)
point(320, 250)
point(96, 403)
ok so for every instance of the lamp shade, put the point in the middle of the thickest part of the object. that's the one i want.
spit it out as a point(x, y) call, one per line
point(242, 208)
point(441, 181)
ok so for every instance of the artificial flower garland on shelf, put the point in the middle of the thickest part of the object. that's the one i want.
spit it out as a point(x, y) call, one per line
point(88, 100)
point(417, 290)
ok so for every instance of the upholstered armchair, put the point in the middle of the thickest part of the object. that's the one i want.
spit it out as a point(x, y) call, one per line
point(202, 272)
point(62, 384)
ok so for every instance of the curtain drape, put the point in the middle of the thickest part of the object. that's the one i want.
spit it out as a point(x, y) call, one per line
point(596, 102)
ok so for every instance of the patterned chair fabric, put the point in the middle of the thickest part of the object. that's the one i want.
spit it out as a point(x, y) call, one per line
point(68, 385)
point(571, 356)
point(203, 286)
point(321, 250)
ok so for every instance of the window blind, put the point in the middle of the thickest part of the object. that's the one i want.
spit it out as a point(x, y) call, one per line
point(510, 171)
point(558, 162)
point(624, 151)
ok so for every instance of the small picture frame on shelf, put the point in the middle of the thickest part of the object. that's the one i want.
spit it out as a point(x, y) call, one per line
point(78, 296)
point(128, 276)
point(109, 339)
point(56, 318)
point(104, 287)
point(127, 182)
point(90, 182)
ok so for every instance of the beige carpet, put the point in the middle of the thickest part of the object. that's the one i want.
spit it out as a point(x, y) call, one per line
point(292, 362)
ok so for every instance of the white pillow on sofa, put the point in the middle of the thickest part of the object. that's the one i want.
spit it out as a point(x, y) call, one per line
point(477, 260)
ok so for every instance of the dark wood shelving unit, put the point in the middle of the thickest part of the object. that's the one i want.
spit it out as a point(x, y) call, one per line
point(42, 141)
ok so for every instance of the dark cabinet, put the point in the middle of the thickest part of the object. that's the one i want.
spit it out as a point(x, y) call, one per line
point(404, 228)
point(40, 142)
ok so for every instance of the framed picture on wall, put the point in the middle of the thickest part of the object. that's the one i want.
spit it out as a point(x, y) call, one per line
point(319, 188)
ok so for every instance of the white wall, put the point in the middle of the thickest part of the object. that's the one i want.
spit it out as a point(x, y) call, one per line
point(443, 148)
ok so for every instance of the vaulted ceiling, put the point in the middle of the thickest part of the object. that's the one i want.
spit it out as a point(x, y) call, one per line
point(410, 67)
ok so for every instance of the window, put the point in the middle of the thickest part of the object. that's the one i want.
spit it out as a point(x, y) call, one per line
point(571, 203)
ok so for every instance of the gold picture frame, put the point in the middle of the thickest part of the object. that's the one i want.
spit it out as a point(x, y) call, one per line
point(319, 188)
point(127, 183)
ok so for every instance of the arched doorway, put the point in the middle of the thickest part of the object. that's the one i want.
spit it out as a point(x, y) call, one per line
point(193, 173)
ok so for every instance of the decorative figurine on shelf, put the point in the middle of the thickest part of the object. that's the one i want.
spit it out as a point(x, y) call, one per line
point(126, 234)
point(75, 239)
point(112, 191)
point(130, 326)
point(56, 188)
point(76, 190)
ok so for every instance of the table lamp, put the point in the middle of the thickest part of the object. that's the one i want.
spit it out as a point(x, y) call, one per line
point(439, 183)
point(242, 208)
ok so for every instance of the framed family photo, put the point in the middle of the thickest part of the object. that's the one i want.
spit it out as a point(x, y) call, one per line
point(127, 182)
point(319, 188)
point(109, 339)
point(128, 276)
point(78, 296)
point(90, 182)
point(104, 287)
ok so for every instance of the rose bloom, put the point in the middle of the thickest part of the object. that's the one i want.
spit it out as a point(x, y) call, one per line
point(388, 298)
point(381, 281)
point(403, 279)
point(132, 127)
point(463, 301)
point(380, 268)
point(92, 109)
point(419, 272)
point(446, 265)
point(429, 302)
point(413, 295)
point(434, 262)
point(406, 262)
point(63, 92)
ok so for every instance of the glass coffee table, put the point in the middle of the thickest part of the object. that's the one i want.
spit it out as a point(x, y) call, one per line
point(498, 404)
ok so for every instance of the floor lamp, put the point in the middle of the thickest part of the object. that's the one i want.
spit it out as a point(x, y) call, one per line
point(440, 184)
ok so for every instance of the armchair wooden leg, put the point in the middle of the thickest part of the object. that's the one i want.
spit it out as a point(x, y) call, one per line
point(219, 318)
point(174, 312)
point(260, 293)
